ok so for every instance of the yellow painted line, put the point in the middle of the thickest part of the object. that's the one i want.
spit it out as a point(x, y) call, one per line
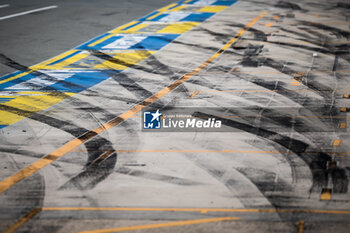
point(101, 40)
point(342, 125)
point(38, 66)
point(212, 9)
point(23, 220)
point(54, 59)
point(102, 157)
point(301, 226)
point(16, 76)
point(267, 25)
point(7, 183)
point(30, 104)
point(336, 142)
point(251, 90)
point(178, 28)
point(206, 210)
point(295, 82)
point(194, 94)
point(326, 194)
point(155, 15)
point(126, 59)
point(167, 7)
point(162, 225)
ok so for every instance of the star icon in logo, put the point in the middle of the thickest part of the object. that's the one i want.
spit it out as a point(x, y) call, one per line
point(156, 115)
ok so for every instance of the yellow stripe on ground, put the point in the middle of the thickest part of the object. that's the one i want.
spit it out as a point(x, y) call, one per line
point(337, 142)
point(301, 226)
point(212, 9)
point(37, 67)
point(178, 28)
point(66, 62)
point(155, 15)
point(167, 7)
point(23, 220)
point(194, 94)
point(208, 9)
point(206, 210)
point(124, 60)
point(326, 194)
point(7, 183)
point(27, 105)
point(45, 63)
point(162, 225)
point(15, 77)
point(112, 32)
point(172, 28)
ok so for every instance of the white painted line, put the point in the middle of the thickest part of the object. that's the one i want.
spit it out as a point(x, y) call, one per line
point(5, 5)
point(28, 12)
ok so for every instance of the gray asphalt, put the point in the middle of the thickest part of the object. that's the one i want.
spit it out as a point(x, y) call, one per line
point(30, 39)
point(268, 173)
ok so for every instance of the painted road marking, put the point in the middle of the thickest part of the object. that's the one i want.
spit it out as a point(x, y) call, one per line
point(264, 90)
point(267, 25)
point(194, 94)
point(132, 41)
point(73, 144)
point(162, 225)
point(155, 27)
point(5, 5)
point(342, 125)
point(336, 142)
point(107, 55)
point(147, 209)
point(207, 210)
point(301, 226)
point(28, 12)
point(23, 220)
point(295, 82)
point(326, 194)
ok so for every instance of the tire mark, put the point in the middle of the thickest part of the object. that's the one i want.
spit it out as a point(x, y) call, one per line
point(317, 162)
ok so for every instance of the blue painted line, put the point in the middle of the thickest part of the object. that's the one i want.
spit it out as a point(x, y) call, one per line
point(155, 42)
point(10, 75)
point(81, 81)
point(147, 16)
point(131, 26)
point(64, 58)
point(224, 3)
point(194, 17)
point(4, 100)
point(198, 17)
point(84, 76)
point(217, 3)
point(151, 42)
point(18, 80)
point(3, 126)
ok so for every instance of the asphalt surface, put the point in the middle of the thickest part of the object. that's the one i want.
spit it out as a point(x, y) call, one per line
point(30, 39)
point(74, 157)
